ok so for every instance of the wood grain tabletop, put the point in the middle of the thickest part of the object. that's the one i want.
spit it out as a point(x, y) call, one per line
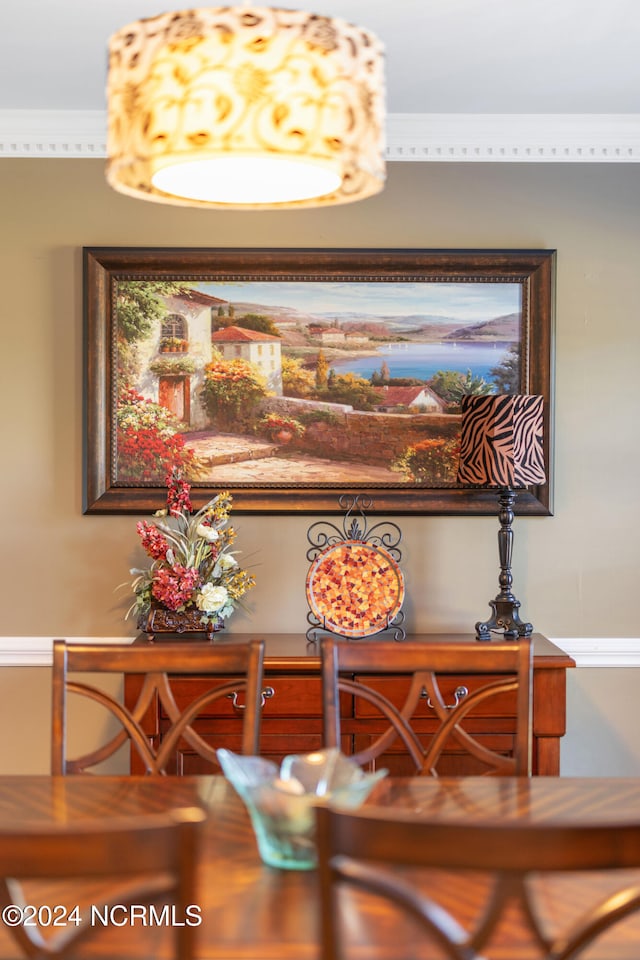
point(254, 912)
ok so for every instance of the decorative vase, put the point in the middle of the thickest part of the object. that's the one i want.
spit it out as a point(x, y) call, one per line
point(284, 436)
point(186, 623)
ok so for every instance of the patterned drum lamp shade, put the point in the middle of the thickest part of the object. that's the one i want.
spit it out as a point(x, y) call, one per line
point(501, 441)
point(501, 446)
point(246, 107)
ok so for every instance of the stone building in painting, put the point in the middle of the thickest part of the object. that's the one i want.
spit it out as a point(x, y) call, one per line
point(418, 399)
point(173, 358)
point(260, 349)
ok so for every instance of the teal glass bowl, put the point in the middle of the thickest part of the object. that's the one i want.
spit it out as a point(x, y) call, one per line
point(281, 801)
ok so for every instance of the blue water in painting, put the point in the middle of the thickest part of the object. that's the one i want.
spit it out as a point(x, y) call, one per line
point(423, 360)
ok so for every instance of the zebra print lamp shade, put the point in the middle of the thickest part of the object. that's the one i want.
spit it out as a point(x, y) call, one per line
point(501, 441)
point(501, 446)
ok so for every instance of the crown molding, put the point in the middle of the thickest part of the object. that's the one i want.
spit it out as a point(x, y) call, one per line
point(53, 134)
point(514, 138)
point(411, 137)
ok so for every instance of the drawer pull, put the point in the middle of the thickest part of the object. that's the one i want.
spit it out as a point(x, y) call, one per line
point(459, 693)
point(266, 694)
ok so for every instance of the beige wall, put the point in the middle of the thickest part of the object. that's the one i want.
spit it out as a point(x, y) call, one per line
point(576, 573)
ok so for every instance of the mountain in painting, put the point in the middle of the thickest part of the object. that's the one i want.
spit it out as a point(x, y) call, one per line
point(415, 326)
point(499, 328)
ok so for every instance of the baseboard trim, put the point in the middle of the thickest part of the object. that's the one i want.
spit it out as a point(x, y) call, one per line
point(586, 651)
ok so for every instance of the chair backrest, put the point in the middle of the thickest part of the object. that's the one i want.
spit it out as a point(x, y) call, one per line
point(502, 668)
point(233, 667)
point(368, 850)
point(151, 859)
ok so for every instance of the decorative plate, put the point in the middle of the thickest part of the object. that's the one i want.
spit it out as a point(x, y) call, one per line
point(355, 588)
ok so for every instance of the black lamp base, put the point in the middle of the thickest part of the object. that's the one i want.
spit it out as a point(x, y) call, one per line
point(506, 619)
point(505, 607)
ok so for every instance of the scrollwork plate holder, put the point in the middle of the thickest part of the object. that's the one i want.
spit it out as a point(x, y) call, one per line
point(355, 587)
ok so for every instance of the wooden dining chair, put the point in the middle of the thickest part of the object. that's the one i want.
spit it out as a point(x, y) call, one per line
point(369, 851)
point(134, 861)
point(371, 673)
point(233, 667)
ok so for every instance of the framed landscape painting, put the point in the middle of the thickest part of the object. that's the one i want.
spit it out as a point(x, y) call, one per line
point(291, 377)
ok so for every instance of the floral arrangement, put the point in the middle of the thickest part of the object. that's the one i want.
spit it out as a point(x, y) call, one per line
point(192, 567)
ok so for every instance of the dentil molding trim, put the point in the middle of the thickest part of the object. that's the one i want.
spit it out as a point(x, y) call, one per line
point(587, 652)
point(413, 137)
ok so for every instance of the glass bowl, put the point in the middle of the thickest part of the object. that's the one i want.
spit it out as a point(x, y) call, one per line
point(281, 802)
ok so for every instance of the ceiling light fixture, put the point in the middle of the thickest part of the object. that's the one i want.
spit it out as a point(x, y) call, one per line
point(245, 107)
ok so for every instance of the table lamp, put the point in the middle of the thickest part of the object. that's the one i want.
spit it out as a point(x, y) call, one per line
point(501, 446)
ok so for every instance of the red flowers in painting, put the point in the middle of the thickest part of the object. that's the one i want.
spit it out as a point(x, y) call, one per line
point(145, 453)
point(148, 441)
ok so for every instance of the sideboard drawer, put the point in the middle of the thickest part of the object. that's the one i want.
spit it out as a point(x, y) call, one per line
point(293, 696)
point(273, 746)
point(284, 696)
point(188, 689)
point(454, 761)
point(395, 689)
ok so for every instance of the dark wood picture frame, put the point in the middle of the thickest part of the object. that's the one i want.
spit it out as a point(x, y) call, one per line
point(530, 273)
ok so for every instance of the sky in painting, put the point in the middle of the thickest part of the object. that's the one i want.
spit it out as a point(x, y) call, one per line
point(468, 302)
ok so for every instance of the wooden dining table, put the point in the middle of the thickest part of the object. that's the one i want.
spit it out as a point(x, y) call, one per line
point(251, 911)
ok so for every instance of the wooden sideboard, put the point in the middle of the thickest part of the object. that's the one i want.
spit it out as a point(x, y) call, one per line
point(292, 710)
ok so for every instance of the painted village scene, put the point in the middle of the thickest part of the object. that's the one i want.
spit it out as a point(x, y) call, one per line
point(306, 383)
